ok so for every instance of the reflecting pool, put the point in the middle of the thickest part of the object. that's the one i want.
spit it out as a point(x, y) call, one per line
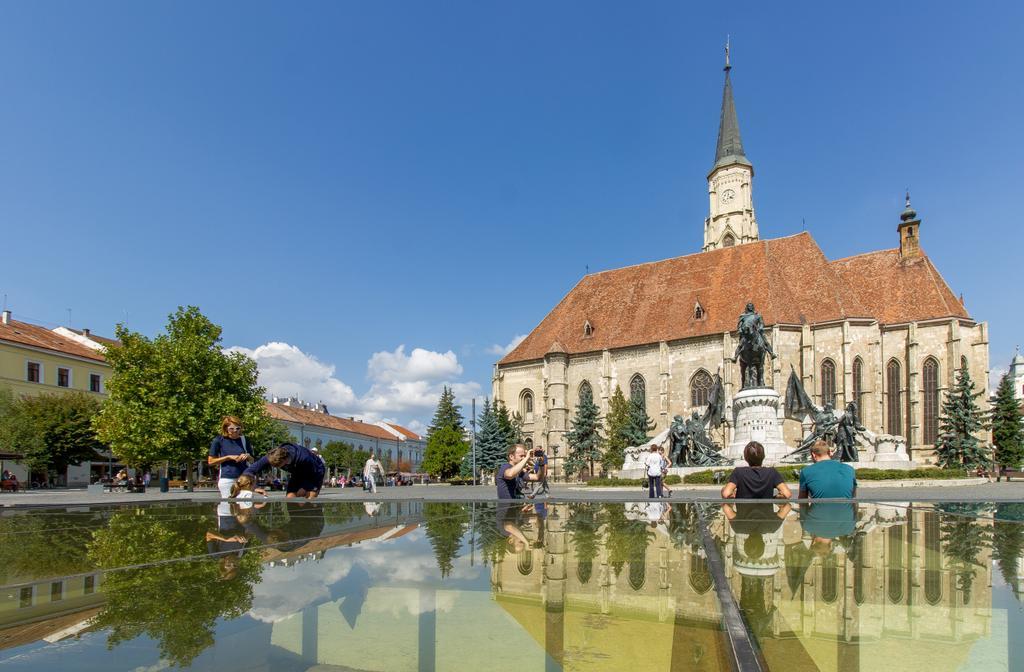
point(461, 586)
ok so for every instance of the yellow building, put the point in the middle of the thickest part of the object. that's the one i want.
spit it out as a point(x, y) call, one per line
point(36, 360)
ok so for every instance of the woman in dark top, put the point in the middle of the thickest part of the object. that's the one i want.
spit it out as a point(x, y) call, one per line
point(230, 452)
point(755, 481)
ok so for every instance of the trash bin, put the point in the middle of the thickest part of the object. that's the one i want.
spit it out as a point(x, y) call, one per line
point(165, 484)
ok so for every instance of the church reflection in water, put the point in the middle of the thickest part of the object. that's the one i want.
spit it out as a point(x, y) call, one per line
point(573, 586)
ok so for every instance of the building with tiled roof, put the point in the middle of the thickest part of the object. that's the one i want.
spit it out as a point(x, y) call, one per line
point(36, 360)
point(313, 427)
point(882, 329)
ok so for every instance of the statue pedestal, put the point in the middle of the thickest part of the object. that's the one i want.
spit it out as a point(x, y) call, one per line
point(755, 414)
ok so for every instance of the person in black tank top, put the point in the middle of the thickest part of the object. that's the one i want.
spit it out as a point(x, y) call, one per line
point(755, 481)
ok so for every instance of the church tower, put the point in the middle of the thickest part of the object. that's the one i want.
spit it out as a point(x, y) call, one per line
point(730, 182)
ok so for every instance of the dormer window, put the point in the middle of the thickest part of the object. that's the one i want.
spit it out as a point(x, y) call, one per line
point(698, 311)
point(588, 329)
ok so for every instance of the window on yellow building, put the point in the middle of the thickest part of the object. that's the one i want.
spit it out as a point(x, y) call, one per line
point(63, 377)
point(34, 372)
point(95, 382)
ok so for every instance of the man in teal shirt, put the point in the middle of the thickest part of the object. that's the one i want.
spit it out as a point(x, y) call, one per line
point(827, 478)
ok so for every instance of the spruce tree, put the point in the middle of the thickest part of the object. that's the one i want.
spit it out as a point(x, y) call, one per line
point(584, 438)
point(446, 438)
point(510, 433)
point(640, 424)
point(490, 441)
point(616, 428)
point(957, 446)
point(1007, 431)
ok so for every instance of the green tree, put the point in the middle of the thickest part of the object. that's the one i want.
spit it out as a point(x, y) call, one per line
point(1008, 540)
point(446, 441)
point(43, 543)
point(490, 442)
point(640, 425)
point(51, 431)
point(337, 455)
point(510, 431)
point(175, 603)
point(957, 446)
point(168, 394)
point(446, 448)
point(1007, 431)
point(446, 523)
point(616, 429)
point(963, 538)
point(584, 438)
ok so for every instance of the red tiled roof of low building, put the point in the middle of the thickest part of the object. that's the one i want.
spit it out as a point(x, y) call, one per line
point(789, 280)
point(317, 419)
point(41, 337)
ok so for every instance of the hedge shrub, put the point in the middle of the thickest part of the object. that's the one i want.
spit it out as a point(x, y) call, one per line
point(671, 479)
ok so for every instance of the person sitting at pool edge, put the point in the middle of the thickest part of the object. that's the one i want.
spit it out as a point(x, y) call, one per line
point(517, 468)
point(827, 478)
point(755, 481)
point(305, 468)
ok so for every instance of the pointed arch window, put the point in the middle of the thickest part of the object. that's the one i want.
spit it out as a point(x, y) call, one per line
point(894, 573)
point(828, 382)
point(637, 573)
point(728, 241)
point(894, 412)
point(524, 563)
point(584, 570)
point(638, 390)
point(963, 363)
point(932, 558)
point(829, 579)
point(588, 329)
point(526, 405)
point(700, 388)
point(858, 382)
point(586, 392)
point(700, 574)
point(930, 385)
point(529, 445)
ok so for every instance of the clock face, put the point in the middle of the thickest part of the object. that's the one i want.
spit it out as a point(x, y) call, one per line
point(728, 195)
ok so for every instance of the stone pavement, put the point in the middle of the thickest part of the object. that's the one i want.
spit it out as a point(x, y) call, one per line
point(975, 490)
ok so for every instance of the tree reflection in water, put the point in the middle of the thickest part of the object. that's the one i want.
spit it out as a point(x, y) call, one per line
point(175, 603)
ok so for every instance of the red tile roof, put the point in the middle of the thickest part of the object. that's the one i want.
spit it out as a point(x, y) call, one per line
point(789, 280)
point(317, 419)
point(408, 433)
point(41, 337)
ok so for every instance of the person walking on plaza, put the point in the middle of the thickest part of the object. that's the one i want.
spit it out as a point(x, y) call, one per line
point(827, 478)
point(229, 452)
point(306, 470)
point(755, 481)
point(654, 462)
point(371, 467)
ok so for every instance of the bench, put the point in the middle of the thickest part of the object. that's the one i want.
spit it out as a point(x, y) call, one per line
point(1008, 473)
point(10, 485)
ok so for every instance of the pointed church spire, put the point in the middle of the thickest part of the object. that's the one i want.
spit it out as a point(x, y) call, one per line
point(730, 147)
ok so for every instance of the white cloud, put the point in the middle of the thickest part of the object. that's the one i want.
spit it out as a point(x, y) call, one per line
point(502, 350)
point(419, 365)
point(286, 371)
point(403, 387)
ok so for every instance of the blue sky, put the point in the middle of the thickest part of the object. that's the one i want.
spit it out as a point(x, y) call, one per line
point(343, 179)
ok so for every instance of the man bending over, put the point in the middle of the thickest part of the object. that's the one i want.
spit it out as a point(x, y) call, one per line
point(306, 470)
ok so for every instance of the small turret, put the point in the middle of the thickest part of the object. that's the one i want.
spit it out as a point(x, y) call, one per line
point(910, 234)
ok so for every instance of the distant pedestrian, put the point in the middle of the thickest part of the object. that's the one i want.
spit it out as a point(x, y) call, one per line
point(654, 463)
point(664, 472)
point(755, 481)
point(827, 478)
point(370, 469)
point(230, 452)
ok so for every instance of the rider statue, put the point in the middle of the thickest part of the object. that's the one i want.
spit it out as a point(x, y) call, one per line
point(752, 347)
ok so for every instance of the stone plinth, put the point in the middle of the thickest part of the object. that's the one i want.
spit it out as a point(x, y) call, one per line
point(755, 414)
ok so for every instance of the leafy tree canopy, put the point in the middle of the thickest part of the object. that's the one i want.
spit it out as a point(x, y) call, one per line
point(617, 429)
point(52, 431)
point(168, 394)
point(446, 448)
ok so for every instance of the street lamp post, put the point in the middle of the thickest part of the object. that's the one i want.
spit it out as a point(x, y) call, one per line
point(472, 439)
